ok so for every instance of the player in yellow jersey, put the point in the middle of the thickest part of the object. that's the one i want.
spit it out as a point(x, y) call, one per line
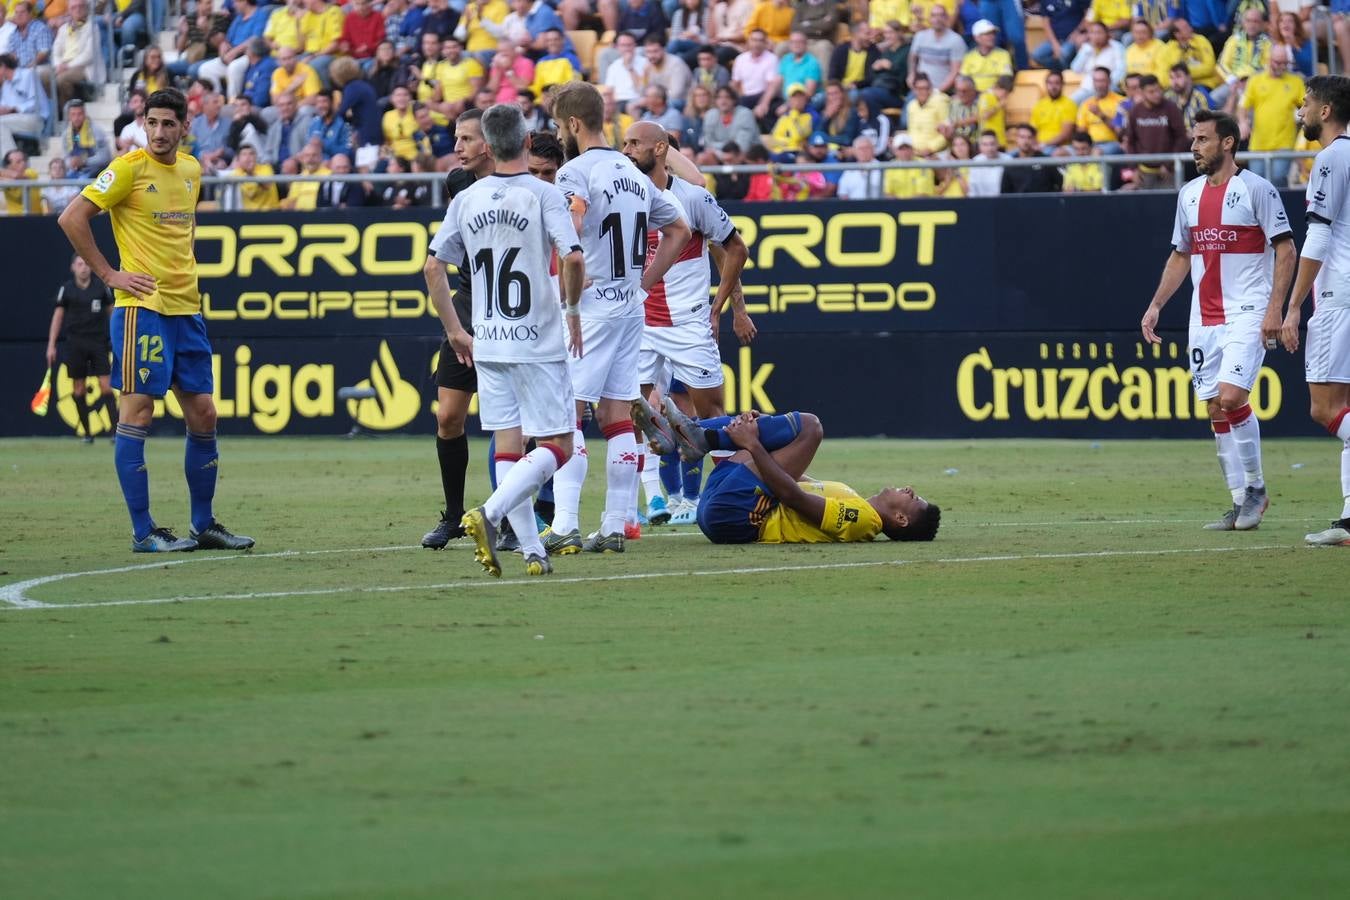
point(761, 494)
point(158, 335)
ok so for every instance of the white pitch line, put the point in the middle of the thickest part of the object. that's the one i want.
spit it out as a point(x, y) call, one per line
point(635, 576)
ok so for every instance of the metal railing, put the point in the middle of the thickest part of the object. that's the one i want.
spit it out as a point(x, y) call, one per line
point(1177, 161)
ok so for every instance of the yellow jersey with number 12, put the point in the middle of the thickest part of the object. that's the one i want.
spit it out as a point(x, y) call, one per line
point(848, 518)
point(153, 211)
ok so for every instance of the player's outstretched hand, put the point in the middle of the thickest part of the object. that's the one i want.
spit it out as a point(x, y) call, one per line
point(744, 327)
point(744, 431)
point(573, 335)
point(462, 343)
point(1148, 324)
point(1289, 330)
point(134, 283)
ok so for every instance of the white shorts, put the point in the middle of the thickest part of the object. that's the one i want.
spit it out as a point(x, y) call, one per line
point(534, 396)
point(1230, 353)
point(608, 367)
point(686, 350)
point(1326, 356)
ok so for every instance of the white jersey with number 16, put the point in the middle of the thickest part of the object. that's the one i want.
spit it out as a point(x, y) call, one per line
point(618, 204)
point(507, 227)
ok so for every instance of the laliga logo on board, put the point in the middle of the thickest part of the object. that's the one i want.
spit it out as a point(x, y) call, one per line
point(396, 402)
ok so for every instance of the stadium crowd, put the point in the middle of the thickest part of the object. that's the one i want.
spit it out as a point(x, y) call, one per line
point(374, 87)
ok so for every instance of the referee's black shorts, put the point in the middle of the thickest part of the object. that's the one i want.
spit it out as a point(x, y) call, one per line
point(86, 358)
point(453, 374)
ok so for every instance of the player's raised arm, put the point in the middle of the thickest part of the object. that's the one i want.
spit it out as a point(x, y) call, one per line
point(682, 166)
point(75, 223)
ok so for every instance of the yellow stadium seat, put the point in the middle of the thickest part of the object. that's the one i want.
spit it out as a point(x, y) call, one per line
point(1072, 81)
point(584, 43)
point(1031, 78)
point(1020, 102)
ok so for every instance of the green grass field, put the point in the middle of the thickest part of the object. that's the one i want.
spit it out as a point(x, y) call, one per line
point(1073, 692)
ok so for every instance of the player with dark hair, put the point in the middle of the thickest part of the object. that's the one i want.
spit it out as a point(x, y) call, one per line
point(761, 493)
point(1231, 235)
point(456, 383)
point(545, 156)
point(1325, 269)
point(158, 335)
point(83, 306)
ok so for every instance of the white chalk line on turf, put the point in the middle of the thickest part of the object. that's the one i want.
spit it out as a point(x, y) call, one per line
point(589, 579)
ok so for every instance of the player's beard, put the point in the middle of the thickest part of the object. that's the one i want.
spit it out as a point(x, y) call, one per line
point(1205, 165)
point(1312, 130)
point(569, 142)
point(645, 164)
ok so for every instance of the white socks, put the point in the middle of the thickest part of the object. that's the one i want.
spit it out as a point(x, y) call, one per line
point(567, 487)
point(518, 478)
point(651, 475)
point(1247, 435)
point(1229, 461)
point(621, 476)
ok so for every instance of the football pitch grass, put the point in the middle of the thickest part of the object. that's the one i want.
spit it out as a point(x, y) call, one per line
point(1075, 691)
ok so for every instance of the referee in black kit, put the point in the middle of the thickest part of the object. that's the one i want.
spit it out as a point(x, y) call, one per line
point(83, 305)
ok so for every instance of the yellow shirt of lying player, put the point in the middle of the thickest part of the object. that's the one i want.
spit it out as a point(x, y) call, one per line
point(848, 518)
point(153, 210)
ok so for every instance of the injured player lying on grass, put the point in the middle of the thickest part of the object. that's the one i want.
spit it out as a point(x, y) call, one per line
point(762, 493)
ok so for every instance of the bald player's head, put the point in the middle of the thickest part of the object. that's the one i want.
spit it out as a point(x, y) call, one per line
point(646, 143)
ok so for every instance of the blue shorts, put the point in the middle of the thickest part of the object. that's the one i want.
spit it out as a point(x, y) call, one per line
point(734, 504)
point(678, 387)
point(153, 352)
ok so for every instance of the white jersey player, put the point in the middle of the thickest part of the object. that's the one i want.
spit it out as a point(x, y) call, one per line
point(1325, 268)
point(614, 206)
point(1232, 235)
point(507, 226)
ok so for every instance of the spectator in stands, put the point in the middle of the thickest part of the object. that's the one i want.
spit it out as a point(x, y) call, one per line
point(31, 43)
point(642, 18)
point(400, 126)
point(994, 107)
point(616, 120)
point(817, 20)
point(295, 79)
point(835, 113)
point(1115, 15)
point(1082, 177)
point(87, 147)
point(1006, 16)
point(150, 77)
point(1097, 114)
point(796, 125)
point(387, 71)
point(987, 61)
point(963, 113)
point(197, 41)
point(729, 21)
point(56, 198)
point(438, 139)
point(1290, 33)
point(730, 185)
point(510, 72)
point(986, 181)
point(132, 135)
point(799, 67)
point(483, 100)
point(710, 73)
point(690, 28)
point(360, 107)
point(1054, 115)
point(1244, 55)
point(362, 31)
point(556, 66)
point(890, 68)
point(1269, 120)
point(955, 182)
point(851, 63)
point(256, 82)
point(729, 122)
point(22, 102)
point(287, 131)
point(332, 132)
point(476, 25)
point(396, 14)
point(695, 109)
point(246, 125)
point(667, 70)
point(7, 28)
point(458, 76)
point(867, 121)
point(422, 66)
point(321, 28)
point(75, 52)
point(755, 77)
point(866, 183)
point(536, 117)
point(1101, 51)
point(1146, 54)
point(1065, 18)
point(1155, 125)
point(134, 105)
point(771, 185)
point(17, 169)
point(904, 184)
point(439, 19)
point(625, 73)
point(283, 27)
point(1189, 97)
point(656, 108)
point(232, 59)
point(1197, 53)
point(395, 194)
point(937, 52)
point(210, 135)
point(924, 114)
point(774, 18)
point(820, 151)
point(1033, 179)
point(341, 194)
point(304, 195)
